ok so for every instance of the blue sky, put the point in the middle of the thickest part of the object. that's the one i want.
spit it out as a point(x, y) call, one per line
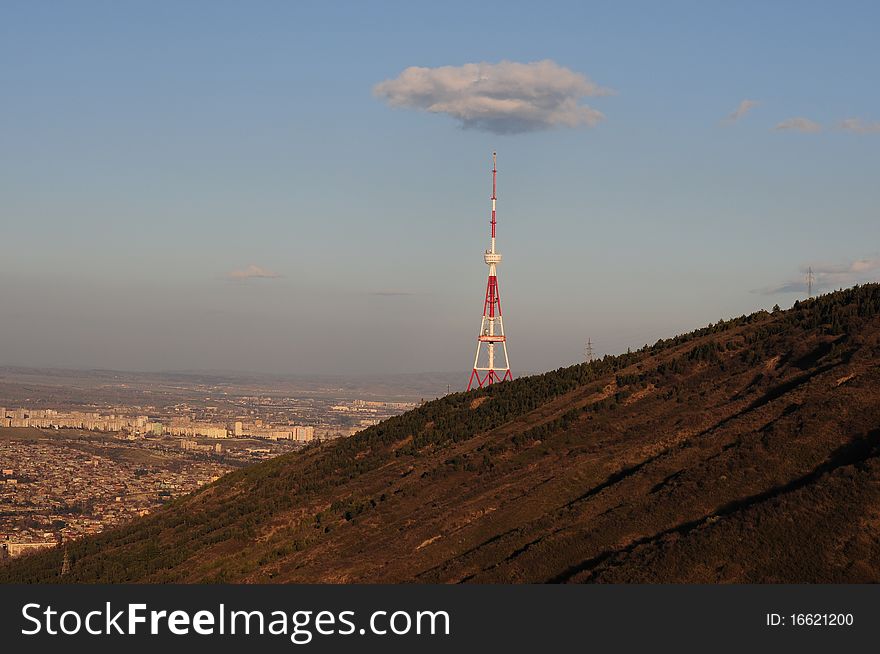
point(150, 149)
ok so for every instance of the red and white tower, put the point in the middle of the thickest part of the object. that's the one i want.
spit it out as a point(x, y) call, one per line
point(492, 325)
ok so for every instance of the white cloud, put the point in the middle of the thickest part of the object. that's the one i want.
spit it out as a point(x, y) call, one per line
point(744, 107)
point(849, 270)
point(799, 125)
point(252, 272)
point(504, 98)
point(858, 126)
point(828, 277)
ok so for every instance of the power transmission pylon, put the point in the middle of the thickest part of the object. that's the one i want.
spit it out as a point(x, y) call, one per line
point(65, 564)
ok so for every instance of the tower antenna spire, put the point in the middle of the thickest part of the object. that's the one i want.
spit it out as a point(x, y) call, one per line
point(492, 324)
point(494, 196)
point(810, 282)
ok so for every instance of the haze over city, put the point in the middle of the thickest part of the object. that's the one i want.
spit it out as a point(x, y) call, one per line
point(210, 186)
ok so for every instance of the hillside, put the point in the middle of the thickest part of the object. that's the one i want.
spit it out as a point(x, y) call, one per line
point(746, 451)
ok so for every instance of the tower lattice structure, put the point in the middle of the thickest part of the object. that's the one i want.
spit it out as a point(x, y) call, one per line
point(488, 369)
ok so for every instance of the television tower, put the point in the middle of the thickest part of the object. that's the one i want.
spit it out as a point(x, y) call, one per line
point(492, 325)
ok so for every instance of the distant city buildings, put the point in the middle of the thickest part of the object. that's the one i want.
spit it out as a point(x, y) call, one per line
point(355, 415)
point(143, 426)
point(195, 446)
point(9, 548)
point(62, 488)
point(290, 433)
point(119, 461)
point(52, 419)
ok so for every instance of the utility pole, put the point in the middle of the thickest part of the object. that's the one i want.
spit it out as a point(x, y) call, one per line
point(810, 282)
point(588, 351)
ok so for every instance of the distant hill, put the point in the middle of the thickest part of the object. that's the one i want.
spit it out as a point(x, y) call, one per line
point(43, 385)
point(746, 451)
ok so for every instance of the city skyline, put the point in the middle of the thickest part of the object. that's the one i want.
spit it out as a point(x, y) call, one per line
point(276, 193)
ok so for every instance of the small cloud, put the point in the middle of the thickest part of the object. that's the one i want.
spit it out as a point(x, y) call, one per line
point(503, 98)
point(799, 125)
point(827, 277)
point(857, 267)
point(787, 287)
point(864, 265)
point(252, 272)
point(744, 107)
point(859, 127)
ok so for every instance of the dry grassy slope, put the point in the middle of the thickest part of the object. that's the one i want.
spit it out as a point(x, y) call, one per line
point(715, 491)
point(755, 462)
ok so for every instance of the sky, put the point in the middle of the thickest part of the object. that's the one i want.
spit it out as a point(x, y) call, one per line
point(303, 188)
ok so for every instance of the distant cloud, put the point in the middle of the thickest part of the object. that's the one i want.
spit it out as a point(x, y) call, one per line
point(827, 277)
point(503, 98)
point(859, 127)
point(744, 107)
point(252, 272)
point(799, 125)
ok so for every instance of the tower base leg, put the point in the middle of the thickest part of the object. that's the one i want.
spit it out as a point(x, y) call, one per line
point(491, 377)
